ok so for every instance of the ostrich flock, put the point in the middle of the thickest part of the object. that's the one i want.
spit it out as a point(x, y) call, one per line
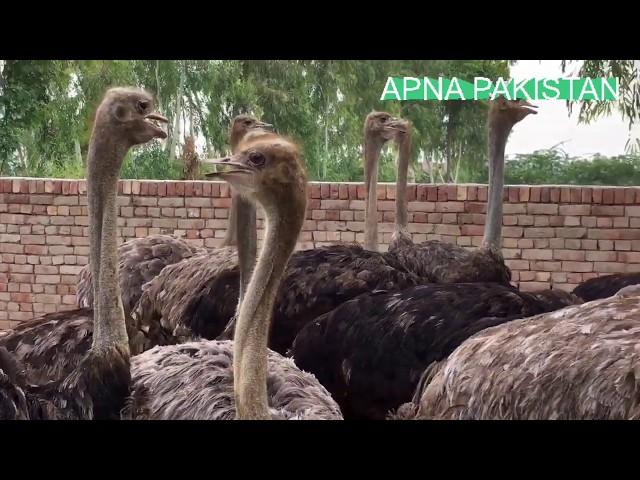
point(164, 330)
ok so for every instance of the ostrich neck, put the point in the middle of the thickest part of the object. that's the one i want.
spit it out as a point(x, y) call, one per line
point(242, 231)
point(493, 229)
point(255, 313)
point(103, 168)
point(371, 158)
point(404, 152)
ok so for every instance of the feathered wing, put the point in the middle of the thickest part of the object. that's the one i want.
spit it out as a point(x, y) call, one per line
point(193, 298)
point(194, 381)
point(442, 262)
point(581, 362)
point(605, 286)
point(371, 351)
point(139, 261)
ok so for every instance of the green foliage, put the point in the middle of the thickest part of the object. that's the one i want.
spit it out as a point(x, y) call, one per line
point(47, 108)
point(555, 167)
point(152, 162)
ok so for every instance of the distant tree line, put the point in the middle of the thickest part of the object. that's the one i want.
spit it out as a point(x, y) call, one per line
point(46, 111)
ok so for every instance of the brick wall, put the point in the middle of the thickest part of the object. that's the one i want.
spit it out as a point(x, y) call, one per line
point(562, 235)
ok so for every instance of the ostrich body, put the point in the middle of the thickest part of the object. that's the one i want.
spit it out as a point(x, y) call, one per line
point(99, 384)
point(578, 363)
point(315, 280)
point(370, 351)
point(444, 262)
point(139, 261)
point(605, 286)
point(197, 297)
point(242, 379)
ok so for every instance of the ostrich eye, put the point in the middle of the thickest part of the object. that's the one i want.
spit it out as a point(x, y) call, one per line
point(256, 159)
point(383, 119)
point(247, 122)
point(143, 105)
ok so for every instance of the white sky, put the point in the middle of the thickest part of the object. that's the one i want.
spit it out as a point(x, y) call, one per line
point(552, 124)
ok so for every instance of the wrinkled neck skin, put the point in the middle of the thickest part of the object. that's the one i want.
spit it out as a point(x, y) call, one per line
point(255, 314)
point(401, 234)
point(103, 167)
point(372, 149)
point(493, 226)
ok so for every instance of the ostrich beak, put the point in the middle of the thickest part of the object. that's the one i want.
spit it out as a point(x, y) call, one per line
point(153, 119)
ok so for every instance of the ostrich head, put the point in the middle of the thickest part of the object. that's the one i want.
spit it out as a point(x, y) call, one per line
point(130, 116)
point(266, 170)
point(380, 127)
point(242, 124)
point(506, 113)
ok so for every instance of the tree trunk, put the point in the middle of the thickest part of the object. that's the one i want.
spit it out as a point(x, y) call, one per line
point(78, 152)
point(158, 96)
point(176, 124)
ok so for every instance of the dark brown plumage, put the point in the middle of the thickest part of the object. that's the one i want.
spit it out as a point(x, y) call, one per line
point(371, 351)
point(579, 363)
point(555, 299)
point(197, 297)
point(139, 261)
point(605, 286)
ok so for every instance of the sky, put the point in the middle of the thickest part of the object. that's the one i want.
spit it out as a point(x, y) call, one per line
point(552, 125)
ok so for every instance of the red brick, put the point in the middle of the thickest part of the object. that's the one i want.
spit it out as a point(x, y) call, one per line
point(574, 255)
point(554, 194)
point(577, 210)
point(609, 267)
point(577, 266)
point(538, 232)
point(537, 254)
point(608, 196)
point(629, 195)
point(608, 210)
point(542, 209)
point(618, 196)
point(535, 194)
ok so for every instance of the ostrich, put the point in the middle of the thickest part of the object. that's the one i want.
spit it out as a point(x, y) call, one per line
point(447, 263)
point(98, 384)
point(417, 258)
point(379, 128)
point(579, 363)
point(197, 297)
point(142, 259)
point(209, 380)
point(371, 351)
point(52, 345)
point(605, 286)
